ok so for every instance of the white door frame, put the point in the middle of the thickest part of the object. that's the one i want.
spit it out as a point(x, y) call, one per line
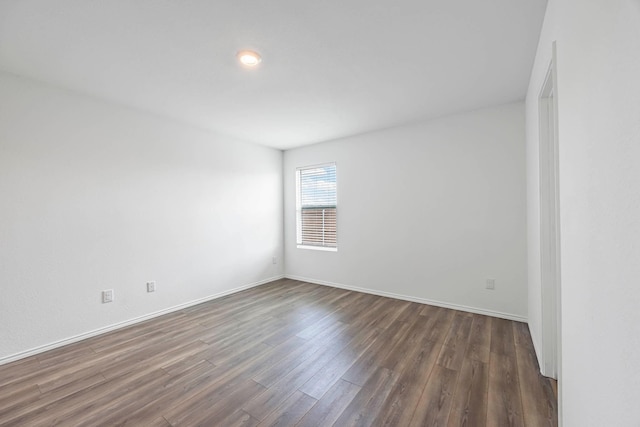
point(550, 223)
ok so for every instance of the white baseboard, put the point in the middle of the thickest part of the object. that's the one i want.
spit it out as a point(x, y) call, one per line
point(492, 313)
point(119, 325)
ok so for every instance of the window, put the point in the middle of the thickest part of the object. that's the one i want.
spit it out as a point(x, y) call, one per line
point(316, 207)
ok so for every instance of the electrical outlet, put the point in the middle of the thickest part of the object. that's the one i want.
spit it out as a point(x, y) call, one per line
point(491, 284)
point(151, 286)
point(274, 260)
point(107, 296)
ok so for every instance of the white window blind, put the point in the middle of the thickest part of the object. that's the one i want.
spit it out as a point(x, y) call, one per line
point(317, 206)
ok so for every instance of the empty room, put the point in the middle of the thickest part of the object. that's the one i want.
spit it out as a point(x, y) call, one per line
point(296, 213)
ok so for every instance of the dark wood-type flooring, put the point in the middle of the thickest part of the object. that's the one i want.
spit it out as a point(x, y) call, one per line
point(289, 353)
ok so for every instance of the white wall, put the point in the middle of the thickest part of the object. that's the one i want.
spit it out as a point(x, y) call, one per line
point(95, 196)
point(598, 53)
point(427, 211)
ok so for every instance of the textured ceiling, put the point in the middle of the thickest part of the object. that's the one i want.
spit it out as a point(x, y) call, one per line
point(330, 68)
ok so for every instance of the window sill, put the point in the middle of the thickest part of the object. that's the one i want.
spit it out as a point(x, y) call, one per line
point(317, 248)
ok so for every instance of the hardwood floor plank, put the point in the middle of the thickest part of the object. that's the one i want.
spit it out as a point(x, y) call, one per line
point(329, 374)
point(455, 343)
point(327, 410)
point(247, 331)
point(239, 419)
point(182, 390)
point(554, 386)
point(64, 377)
point(439, 323)
point(20, 413)
point(435, 402)
point(19, 396)
point(262, 405)
point(480, 339)
point(415, 370)
point(428, 310)
point(294, 326)
point(316, 328)
point(539, 403)
point(116, 346)
point(111, 396)
point(36, 373)
point(266, 358)
point(365, 406)
point(371, 361)
point(210, 407)
point(290, 411)
point(383, 316)
point(502, 340)
point(361, 307)
point(62, 355)
point(128, 335)
point(469, 406)
point(308, 349)
point(159, 422)
point(287, 353)
point(412, 341)
point(274, 373)
point(150, 358)
point(226, 406)
point(69, 405)
point(148, 404)
point(16, 372)
point(504, 406)
point(410, 313)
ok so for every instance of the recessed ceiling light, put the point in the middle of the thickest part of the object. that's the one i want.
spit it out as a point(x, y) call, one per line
point(249, 58)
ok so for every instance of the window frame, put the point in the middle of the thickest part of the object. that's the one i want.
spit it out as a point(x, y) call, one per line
point(299, 208)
